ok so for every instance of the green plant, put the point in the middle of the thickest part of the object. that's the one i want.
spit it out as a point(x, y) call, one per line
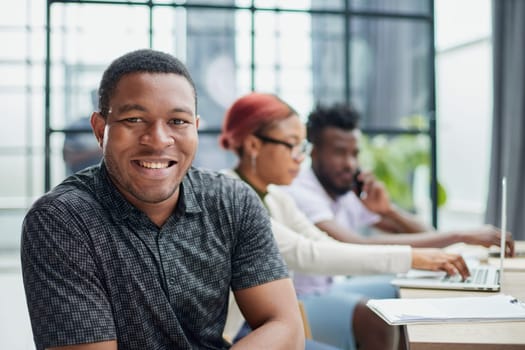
point(393, 160)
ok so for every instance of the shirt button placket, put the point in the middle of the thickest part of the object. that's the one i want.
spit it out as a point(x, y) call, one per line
point(168, 265)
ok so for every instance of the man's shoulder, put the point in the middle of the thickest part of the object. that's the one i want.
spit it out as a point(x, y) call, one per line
point(74, 192)
point(210, 181)
point(212, 190)
point(305, 186)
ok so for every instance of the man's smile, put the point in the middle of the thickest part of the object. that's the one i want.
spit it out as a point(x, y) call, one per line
point(155, 164)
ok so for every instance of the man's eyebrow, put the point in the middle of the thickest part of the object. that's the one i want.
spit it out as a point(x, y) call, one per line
point(182, 110)
point(131, 107)
point(136, 107)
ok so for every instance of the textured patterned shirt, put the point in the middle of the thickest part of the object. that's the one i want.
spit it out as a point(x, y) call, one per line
point(96, 268)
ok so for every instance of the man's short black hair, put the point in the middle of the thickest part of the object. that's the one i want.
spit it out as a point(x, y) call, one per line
point(340, 115)
point(146, 61)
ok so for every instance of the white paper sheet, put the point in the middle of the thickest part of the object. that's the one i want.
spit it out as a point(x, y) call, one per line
point(461, 309)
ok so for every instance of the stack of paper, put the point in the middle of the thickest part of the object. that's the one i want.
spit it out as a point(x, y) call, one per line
point(498, 307)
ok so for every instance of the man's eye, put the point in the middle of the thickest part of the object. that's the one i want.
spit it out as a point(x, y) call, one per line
point(178, 122)
point(133, 120)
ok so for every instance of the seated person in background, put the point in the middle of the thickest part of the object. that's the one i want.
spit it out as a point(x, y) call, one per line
point(141, 251)
point(326, 192)
point(268, 137)
point(80, 149)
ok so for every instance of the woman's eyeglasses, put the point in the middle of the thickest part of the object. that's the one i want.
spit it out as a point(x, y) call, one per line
point(296, 151)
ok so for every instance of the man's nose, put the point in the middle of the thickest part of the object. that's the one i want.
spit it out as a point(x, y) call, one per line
point(158, 135)
point(351, 162)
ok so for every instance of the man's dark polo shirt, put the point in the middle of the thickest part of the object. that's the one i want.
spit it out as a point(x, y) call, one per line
point(95, 268)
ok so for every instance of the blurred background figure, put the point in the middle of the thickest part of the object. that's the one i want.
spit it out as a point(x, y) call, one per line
point(80, 148)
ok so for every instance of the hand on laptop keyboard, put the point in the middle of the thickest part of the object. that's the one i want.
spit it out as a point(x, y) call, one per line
point(437, 259)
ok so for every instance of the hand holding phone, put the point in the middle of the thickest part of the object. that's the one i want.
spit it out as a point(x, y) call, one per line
point(357, 185)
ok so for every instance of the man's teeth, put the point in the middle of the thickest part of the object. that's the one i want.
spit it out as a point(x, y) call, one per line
point(154, 165)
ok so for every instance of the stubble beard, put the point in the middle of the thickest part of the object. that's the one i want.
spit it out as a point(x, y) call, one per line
point(330, 186)
point(128, 189)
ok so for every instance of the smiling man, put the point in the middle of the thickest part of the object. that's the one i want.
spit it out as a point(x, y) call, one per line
point(140, 252)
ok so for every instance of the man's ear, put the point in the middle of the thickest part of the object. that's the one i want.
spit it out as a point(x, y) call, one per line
point(197, 120)
point(98, 124)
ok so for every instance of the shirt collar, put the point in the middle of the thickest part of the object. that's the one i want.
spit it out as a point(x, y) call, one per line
point(122, 208)
point(188, 197)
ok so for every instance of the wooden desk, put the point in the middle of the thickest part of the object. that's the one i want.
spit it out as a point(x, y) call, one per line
point(466, 336)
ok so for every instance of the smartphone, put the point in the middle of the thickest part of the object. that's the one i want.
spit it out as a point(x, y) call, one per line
point(357, 185)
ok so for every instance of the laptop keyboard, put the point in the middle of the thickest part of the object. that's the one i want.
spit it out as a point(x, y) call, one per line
point(478, 275)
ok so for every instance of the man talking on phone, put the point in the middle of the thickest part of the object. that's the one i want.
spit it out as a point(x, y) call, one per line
point(342, 199)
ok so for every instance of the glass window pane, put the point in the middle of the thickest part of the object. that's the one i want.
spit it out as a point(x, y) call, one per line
point(81, 51)
point(461, 22)
point(14, 76)
point(210, 2)
point(328, 58)
point(57, 107)
point(76, 40)
point(14, 113)
point(76, 95)
point(265, 79)
point(11, 221)
point(327, 4)
point(283, 53)
point(16, 15)
point(17, 49)
point(243, 77)
point(170, 1)
point(389, 73)
point(211, 61)
point(211, 156)
point(37, 14)
point(301, 4)
point(398, 6)
point(295, 79)
point(169, 30)
point(464, 88)
point(38, 44)
point(35, 115)
point(36, 76)
point(295, 45)
point(58, 167)
point(243, 38)
point(13, 182)
point(243, 3)
point(265, 49)
point(302, 102)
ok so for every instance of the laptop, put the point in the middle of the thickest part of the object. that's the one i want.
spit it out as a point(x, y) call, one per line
point(482, 277)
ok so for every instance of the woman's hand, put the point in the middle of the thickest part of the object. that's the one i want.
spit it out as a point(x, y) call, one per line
point(437, 259)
